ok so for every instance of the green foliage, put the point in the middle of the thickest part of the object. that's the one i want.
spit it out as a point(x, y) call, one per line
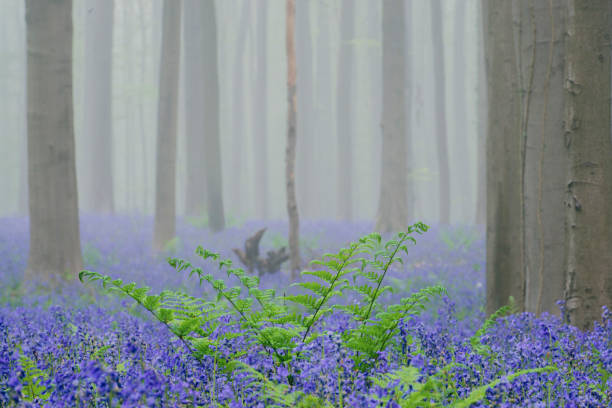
point(32, 381)
point(91, 255)
point(458, 237)
point(475, 342)
point(173, 245)
point(197, 221)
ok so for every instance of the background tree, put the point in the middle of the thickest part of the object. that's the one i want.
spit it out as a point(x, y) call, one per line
point(260, 113)
point(97, 181)
point(55, 248)
point(212, 156)
point(193, 38)
point(440, 111)
point(392, 205)
point(292, 209)
point(589, 177)
point(167, 112)
point(481, 182)
point(343, 109)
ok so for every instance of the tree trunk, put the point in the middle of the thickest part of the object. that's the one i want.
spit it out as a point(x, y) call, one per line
point(212, 155)
point(193, 36)
point(589, 178)
point(393, 206)
point(97, 130)
point(292, 209)
point(481, 181)
point(437, 30)
point(504, 274)
point(260, 118)
point(305, 152)
point(55, 249)
point(167, 112)
point(343, 107)
point(238, 113)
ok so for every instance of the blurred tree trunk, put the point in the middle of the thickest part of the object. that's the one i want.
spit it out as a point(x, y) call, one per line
point(167, 112)
point(437, 31)
point(481, 181)
point(343, 107)
point(292, 209)
point(260, 116)
point(97, 126)
point(392, 205)
point(144, 41)
point(504, 256)
point(212, 156)
point(55, 249)
point(408, 91)
point(589, 188)
point(239, 114)
point(305, 149)
point(193, 36)
point(324, 130)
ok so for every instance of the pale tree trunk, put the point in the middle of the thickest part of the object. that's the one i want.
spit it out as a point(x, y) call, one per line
point(343, 108)
point(97, 126)
point(292, 209)
point(305, 148)
point(238, 114)
point(260, 109)
point(167, 113)
point(408, 89)
point(589, 178)
point(392, 205)
point(374, 23)
point(193, 36)
point(540, 40)
point(144, 140)
point(440, 110)
point(481, 181)
point(212, 155)
point(324, 130)
point(504, 275)
point(55, 249)
point(461, 185)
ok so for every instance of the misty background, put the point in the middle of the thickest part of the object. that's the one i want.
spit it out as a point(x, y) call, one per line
point(323, 28)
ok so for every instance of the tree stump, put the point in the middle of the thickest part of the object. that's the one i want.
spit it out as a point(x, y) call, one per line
point(251, 259)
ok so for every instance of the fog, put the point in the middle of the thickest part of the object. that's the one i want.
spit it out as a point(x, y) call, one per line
point(330, 58)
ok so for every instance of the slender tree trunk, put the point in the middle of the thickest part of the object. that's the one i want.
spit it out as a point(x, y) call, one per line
point(408, 90)
point(167, 115)
point(305, 147)
point(193, 35)
point(212, 156)
point(392, 205)
point(440, 110)
point(55, 249)
point(260, 117)
point(239, 113)
point(292, 209)
point(481, 182)
point(97, 128)
point(144, 41)
point(343, 108)
point(504, 256)
point(589, 187)
point(374, 23)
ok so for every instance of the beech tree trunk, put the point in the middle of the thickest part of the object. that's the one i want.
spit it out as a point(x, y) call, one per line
point(392, 206)
point(440, 110)
point(167, 112)
point(55, 249)
point(212, 156)
point(588, 284)
point(343, 108)
point(481, 181)
point(97, 129)
point(193, 36)
point(260, 109)
point(292, 208)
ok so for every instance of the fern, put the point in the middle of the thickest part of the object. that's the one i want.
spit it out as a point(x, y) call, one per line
point(32, 381)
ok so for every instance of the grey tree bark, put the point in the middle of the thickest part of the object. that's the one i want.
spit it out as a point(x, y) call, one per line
point(193, 37)
point(55, 249)
point(167, 116)
point(305, 160)
point(440, 111)
point(260, 109)
point(392, 206)
point(343, 110)
point(212, 156)
point(292, 208)
point(588, 270)
point(481, 182)
point(97, 188)
point(504, 275)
